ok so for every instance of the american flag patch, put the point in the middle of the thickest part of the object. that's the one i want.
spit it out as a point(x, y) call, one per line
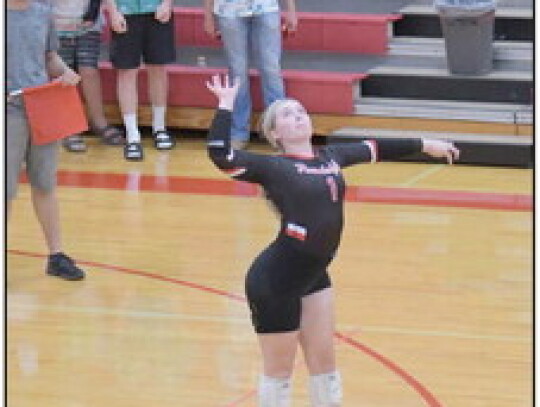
point(235, 172)
point(296, 231)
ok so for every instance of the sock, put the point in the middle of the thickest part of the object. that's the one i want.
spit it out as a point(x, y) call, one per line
point(274, 392)
point(132, 130)
point(325, 390)
point(158, 118)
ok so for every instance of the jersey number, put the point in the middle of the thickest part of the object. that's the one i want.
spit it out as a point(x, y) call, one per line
point(333, 188)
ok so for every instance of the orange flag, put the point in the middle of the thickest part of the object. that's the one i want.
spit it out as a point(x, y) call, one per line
point(54, 111)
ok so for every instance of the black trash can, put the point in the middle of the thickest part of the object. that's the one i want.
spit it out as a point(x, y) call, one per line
point(467, 26)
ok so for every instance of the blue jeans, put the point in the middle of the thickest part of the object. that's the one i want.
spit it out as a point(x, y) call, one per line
point(261, 33)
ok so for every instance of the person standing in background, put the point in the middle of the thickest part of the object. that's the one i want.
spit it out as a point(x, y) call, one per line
point(142, 30)
point(31, 60)
point(78, 24)
point(257, 23)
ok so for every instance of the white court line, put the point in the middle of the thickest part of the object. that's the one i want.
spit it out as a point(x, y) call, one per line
point(423, 174)
point(126, 313)
point(245, 321)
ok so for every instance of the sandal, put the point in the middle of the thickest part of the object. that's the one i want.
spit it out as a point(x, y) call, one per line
point(133, 152)
point(163, 140)
point(74, 144)
point(111, 135)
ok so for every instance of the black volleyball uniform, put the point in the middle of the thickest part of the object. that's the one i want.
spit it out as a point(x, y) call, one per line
point(308, 195)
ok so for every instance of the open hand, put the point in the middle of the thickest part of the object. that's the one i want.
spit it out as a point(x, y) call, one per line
point(118, 22)
point(440, 148)
point(69, 77)
point(163, 12)
point(290, 23)
point(210, 26)
point(224, 90)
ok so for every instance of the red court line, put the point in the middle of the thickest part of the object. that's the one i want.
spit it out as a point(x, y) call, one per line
point(385, 195)
point(152, 183)
point(410, 380)
point(426, 395)
point(143, 274)
point(428, 197)
point(249, 394)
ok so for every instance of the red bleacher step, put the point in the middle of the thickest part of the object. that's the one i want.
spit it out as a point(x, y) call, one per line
point(338, 32)
point(320, 92)
point(334, 32)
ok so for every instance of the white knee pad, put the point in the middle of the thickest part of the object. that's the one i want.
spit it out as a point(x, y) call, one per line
point(325, 390)
point(274, 392)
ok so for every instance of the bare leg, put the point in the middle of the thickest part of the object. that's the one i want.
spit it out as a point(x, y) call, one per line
point(317, 331)
point(278, 351)
point(316, 338)
point(158, 83)
point(127, 90)
point(47, 212)
point(91, 89)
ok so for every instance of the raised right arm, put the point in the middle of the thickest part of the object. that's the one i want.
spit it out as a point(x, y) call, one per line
point(219, 139)
point(239, 164)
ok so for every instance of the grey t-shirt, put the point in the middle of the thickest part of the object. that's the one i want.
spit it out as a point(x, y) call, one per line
point(30, 34)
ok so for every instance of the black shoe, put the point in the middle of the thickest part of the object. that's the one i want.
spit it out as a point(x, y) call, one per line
point(64, 267)
point(163, 140)
point(133, 152)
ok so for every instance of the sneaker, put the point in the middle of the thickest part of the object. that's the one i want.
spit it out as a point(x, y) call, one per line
point(64, 267)
point(133, 152)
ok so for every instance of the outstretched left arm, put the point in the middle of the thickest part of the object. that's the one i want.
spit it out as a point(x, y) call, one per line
point(388, 149)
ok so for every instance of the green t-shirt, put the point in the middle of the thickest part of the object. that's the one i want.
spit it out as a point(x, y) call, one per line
point(137, 6)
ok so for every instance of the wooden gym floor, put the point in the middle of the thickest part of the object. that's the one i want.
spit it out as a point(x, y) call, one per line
point(433, 283)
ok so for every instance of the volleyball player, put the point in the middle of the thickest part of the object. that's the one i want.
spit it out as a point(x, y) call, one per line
point(288, 287)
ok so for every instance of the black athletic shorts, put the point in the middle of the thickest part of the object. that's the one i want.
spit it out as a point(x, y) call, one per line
point(276, 282)
point(146, 39)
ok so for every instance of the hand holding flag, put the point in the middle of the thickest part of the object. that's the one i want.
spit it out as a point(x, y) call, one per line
point(54, 110)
